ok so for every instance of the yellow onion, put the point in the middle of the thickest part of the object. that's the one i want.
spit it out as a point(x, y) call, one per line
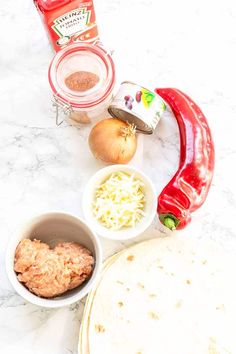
point(112, 140)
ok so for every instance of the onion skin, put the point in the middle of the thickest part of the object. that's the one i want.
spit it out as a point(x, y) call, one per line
point(112, 140)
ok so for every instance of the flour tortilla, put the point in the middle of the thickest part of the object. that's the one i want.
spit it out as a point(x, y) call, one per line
point(83, 335)
point(169, 295)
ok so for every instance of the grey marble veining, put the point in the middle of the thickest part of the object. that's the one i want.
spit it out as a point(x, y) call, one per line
point(186, 44)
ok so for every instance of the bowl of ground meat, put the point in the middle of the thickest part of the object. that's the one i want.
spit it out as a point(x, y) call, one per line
point(54, 260)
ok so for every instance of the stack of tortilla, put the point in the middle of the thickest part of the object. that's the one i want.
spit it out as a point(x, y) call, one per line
point(168, 295)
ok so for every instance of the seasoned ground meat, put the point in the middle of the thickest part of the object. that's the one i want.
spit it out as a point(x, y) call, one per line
point(50, 272)
point(78, 259)
point(26, 254)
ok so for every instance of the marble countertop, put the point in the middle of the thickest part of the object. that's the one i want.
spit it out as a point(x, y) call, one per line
point(184, 44)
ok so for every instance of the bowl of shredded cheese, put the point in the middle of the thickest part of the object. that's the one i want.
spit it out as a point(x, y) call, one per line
point(119, 202)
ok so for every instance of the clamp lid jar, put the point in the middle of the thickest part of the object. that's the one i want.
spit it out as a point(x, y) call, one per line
point(82, 78)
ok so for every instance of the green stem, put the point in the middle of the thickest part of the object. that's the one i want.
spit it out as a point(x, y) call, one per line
point(169, 221)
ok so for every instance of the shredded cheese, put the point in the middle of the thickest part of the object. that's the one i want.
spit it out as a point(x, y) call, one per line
point(119, 201)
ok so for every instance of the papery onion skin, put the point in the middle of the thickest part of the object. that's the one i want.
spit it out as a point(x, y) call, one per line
point(112, 140)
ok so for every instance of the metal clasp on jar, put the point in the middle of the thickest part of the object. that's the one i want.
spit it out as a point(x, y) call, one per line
point(100, 44)
point(80, 117)
point(66, 108)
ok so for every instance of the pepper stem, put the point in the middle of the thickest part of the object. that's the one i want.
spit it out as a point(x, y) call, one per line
point(169, 221)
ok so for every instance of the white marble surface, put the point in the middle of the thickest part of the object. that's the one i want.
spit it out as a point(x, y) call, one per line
point(187, 44)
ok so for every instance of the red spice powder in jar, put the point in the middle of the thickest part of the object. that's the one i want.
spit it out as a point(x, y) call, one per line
point(68, 21)
point(81, 81)
point(82, 78)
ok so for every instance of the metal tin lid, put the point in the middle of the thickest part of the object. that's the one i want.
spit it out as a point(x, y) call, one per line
point(132, 118)
point(137, 105)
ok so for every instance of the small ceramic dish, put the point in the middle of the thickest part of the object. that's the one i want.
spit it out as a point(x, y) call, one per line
point(150, 197)
point(53, 228)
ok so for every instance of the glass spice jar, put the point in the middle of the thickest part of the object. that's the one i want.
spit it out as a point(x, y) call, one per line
point(82, 78)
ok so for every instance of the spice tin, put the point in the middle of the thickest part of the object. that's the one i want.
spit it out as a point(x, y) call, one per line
point(138, 106)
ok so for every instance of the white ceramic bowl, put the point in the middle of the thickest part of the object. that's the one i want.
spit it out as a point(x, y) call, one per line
point(125, 233)
point(52, 228)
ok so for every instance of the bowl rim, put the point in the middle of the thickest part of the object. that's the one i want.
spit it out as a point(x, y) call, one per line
point(44, 302)
point(127, 233)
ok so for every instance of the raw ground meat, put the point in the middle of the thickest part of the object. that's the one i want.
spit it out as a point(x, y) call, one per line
point(50, 272)
point(78, 259)
point(26, 254)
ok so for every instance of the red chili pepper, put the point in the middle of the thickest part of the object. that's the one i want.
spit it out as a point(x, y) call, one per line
point(189, 187)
